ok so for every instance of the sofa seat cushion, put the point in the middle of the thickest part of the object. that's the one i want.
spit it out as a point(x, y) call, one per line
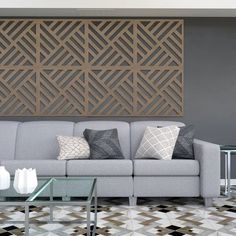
point(43, 167)
point(166, 167)
point(99, 168)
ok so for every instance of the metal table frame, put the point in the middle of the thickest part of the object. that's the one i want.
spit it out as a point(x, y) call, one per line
point(227, 156)
point(92, 198)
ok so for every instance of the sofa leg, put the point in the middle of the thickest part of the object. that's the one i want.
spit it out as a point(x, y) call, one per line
point(132, 201)
point(208, 201)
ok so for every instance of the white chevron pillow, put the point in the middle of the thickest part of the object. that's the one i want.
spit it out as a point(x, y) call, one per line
point(158, 143)
point(73, 148)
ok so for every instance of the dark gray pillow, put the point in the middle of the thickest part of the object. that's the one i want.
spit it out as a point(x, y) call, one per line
point(104, 144)
point(184, 144)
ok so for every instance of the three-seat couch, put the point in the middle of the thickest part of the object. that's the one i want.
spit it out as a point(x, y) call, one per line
point(34, 144)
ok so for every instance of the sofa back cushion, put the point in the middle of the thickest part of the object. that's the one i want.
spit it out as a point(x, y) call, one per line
point(137, 130)
point(37, 140)
point(8, 133)
point(122, 127)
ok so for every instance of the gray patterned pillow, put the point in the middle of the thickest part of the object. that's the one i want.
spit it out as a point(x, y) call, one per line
point(184, 144)
point(104, 144)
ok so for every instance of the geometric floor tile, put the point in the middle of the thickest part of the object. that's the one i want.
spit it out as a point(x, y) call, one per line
point(152, 216)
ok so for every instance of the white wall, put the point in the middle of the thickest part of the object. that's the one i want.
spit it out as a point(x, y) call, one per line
point(119, 4)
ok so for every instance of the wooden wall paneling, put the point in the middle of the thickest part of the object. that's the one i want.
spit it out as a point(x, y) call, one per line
point(91, 67)
point(17, 67)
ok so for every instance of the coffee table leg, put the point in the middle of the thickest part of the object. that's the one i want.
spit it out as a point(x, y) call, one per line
point(226, 174)
point(88, 219)
point(95, 209)
point(27, 220)
point(51, 199)
point(229, 174)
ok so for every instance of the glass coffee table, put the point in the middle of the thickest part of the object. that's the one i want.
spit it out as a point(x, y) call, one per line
point(56, 191)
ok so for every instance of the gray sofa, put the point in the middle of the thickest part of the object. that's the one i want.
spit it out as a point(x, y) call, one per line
point(34, 144)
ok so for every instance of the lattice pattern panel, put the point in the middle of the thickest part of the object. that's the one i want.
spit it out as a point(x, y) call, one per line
point(91, 67)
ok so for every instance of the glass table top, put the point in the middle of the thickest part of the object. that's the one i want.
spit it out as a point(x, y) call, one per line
point(64, 189)
point(11, 195)
point(53, 189)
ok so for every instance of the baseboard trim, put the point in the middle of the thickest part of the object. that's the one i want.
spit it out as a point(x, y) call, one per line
point(232, 181)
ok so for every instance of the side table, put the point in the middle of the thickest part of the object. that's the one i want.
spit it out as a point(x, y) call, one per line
point(228, 151)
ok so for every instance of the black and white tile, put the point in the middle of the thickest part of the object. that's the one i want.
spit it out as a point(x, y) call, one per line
point(175, 216)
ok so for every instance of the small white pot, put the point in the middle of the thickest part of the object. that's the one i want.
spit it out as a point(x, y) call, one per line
point(4, 178)
point(25, 180)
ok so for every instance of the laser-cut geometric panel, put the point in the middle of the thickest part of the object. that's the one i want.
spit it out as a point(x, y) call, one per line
point(159, 92)
point(91, 67)
point(160, 43)
point(17, 92)
point(110, 43)
point(62, 43)
point(17, 43)
point(110, 92)
point(62, 92)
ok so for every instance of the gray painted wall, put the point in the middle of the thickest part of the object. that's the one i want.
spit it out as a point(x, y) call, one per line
point(210, 81)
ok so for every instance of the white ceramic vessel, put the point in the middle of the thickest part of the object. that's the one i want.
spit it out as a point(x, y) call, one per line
point(25, 180)
point(4, 178)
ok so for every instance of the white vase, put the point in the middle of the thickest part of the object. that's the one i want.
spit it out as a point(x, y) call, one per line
point(4, 178)
point(25, 180)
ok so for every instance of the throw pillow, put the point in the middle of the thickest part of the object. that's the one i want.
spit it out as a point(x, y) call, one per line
point(184, 144)
point(158, 143)
point(104, 144)
point(73, 148)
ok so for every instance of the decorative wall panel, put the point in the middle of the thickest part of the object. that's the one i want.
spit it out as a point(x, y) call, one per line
point(91, 67)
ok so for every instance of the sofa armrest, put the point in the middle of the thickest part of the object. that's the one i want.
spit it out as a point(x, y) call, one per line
point(208, 155)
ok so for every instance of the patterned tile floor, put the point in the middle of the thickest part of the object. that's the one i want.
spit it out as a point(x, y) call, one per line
point(176, 217)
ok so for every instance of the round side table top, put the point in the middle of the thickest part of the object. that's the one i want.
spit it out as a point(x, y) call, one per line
point(231, 148)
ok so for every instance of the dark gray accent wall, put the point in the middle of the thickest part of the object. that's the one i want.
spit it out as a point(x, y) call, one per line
point(209, 81)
